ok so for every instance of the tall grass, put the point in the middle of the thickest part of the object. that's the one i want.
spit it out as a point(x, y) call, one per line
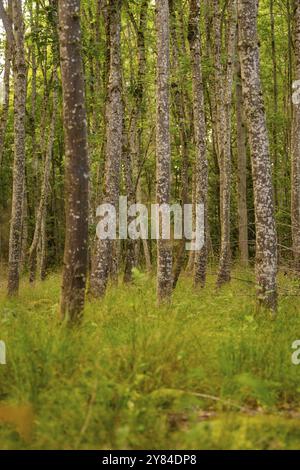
point(205, 372)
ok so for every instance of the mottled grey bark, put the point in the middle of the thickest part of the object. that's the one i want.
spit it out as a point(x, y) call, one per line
point(41, 211)
point(224, 82)
point(76, 161)
point(179, 104)
point(266, 240)
point(130, 191)
point(42, 254)
point(275, 104)
point(137, 123)
point(105, 252)
point(24, 236)
point(295, 196)
point(242, 170)
point(33, 99)
point(14, 27)
point(163, 151)
point(140, 118)
point(5, 91)
point(201, 165)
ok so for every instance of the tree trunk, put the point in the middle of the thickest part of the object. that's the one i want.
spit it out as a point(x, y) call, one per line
point(163, 151)
point(137, 121)
point(106, 252)
point(16, 39)
point(41, 212)
point(179, 95)
point(6, 90)
point(242, 171)
point(266, 241)
point(296, 151)
point(201, 170)
point(128, 176)
point(24, 236)
point(76, 166)
point(136, 136)
point(224, 83)
point(275, 102)
point(42, 256)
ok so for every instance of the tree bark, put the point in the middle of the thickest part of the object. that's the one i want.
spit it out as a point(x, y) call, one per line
point(179, 100)
point(6, 90)
point(275, 102)
point(105, 251)
point(163, 150)
point(242, 171)
point(224, 82)
point(15, 35)
point(295, 197)
point(41, 211)
point(136, 129)
point(266, 240)
point(201, 166)
point(129, 185)
point(76, 165)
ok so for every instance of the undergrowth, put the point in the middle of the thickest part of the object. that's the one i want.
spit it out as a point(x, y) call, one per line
point(206, 372)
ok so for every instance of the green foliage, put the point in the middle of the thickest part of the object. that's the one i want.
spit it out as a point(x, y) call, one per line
point(205, 372)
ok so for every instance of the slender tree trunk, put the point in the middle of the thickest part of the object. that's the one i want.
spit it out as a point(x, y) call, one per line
point(77, 167)
point(24, 237)
point(105, 253)
point(266, 240)
point(6, 91)
point(275, 101)
point(43, 252)
point(41, 211)
point(137, 125)
point(33, 27)
point(224, 83)
point(163, 151)
point(296, 150)
point(242, 171)
point(178, 94)
point(15, 36)
point(128, 176)
point(201, 170)
point(136, 135)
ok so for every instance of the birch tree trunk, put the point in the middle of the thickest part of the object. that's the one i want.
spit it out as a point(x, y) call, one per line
point(130, 191)
point(295, 210)
point(224, 82)
point(6, 90)
point(242, 171)
point(163, 150)
point(140, 104)
point(15, 34)
point(114, 138)
point(275, 103)
point(24, 236)
point(179, 99)
point(42, 252)
point(201, 170)
point(266, 240)
point(76, 165)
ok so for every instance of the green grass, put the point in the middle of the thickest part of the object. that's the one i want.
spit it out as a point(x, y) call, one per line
point(134, 376)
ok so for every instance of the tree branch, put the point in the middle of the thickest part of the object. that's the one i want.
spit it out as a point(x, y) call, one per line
point(7, 23)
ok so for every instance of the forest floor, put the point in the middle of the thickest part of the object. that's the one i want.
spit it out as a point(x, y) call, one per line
point(203, 373)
